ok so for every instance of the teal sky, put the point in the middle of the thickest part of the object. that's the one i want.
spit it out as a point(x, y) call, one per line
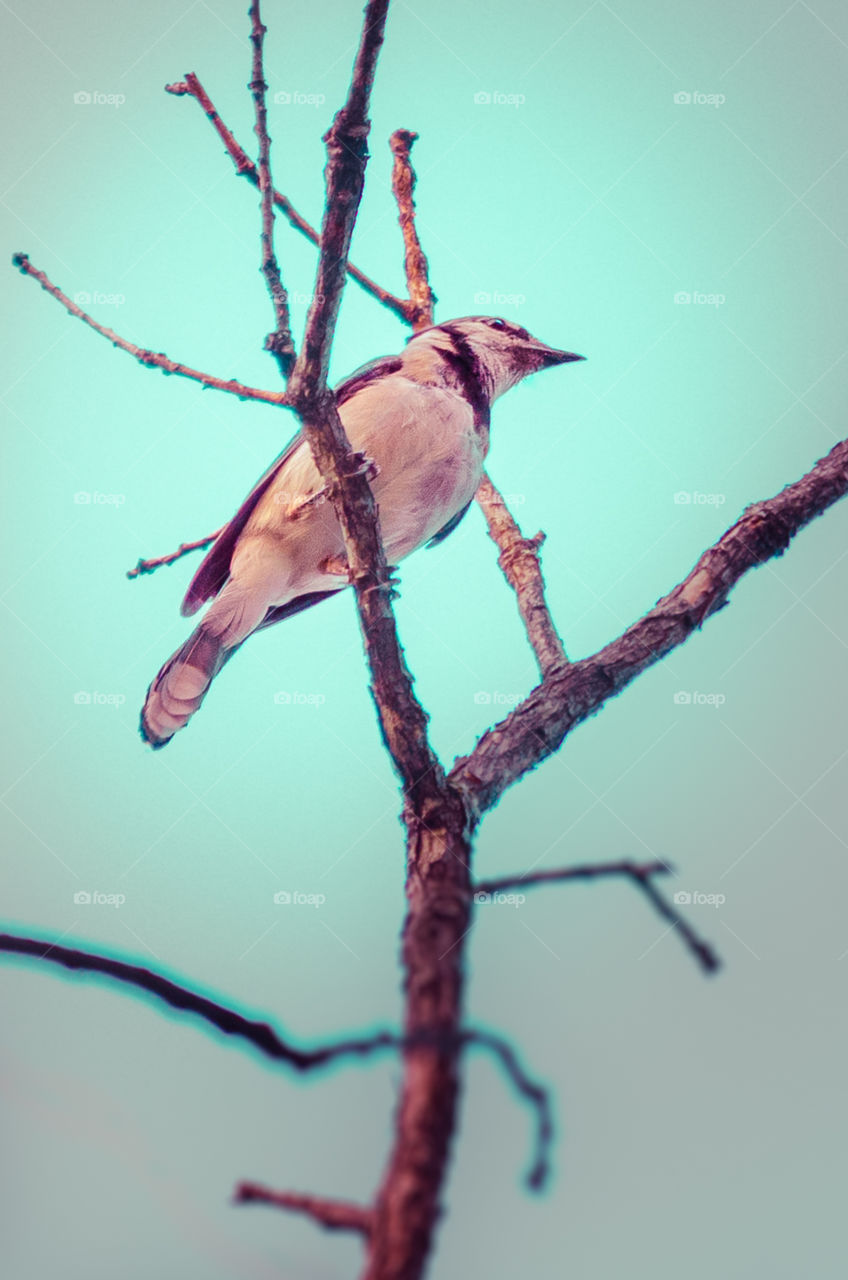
point(701, 1123)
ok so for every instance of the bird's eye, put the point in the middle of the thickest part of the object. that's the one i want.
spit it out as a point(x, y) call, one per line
point(498, 324)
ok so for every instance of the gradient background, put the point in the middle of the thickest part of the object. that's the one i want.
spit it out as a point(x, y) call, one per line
point(701, 1124)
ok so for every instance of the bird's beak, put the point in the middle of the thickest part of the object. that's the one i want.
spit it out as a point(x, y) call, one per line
point(549, 356)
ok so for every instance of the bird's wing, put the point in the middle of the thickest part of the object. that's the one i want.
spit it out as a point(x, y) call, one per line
point(370, 372)
point(448, 528)
point(214, 569)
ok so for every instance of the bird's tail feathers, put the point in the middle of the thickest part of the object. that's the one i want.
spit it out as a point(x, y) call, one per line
point(181, 685)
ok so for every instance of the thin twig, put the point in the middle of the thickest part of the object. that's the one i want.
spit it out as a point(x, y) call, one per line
point(519, 561)
point(333, 1215)
point(245, 168)
point(184, 549)
point(280, 343)
point(589, 871)
point(537, 727)
point(641, 873)
point(421, 298)
point(150, 359)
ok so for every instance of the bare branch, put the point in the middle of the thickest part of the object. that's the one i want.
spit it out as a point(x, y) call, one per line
point(591, 871)
point(333, 1215)
point(262, 1036)
point(245, 168)
point(519, 561)
point(184, 549)
point(402, 719)
point(258, 1034)
point(421, 299)
point(280, 343)
point(537, 727)
point(641, 873)
point(150, 359)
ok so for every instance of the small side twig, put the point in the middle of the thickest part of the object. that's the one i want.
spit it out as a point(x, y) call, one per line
point(333, 1215)
point(641, 873)
point(280, 343)
point(421, 298)
point(245, 168)
point(519, 562)
point(150, 359)
point(184, 549)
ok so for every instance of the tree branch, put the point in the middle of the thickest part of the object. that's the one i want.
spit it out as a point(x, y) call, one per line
point(537, 727)
point(280, 343)
point(333, 1215)
point(262, 1036)
point(642, 876)
point(402, 719)
point(421, 298)
point(184, 549)
point(150, 359)
point(245, 168)
point(519, 561)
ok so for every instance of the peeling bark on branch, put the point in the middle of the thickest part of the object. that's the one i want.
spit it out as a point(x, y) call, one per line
point(421, 299)
point(519, 561)
point(538, 726)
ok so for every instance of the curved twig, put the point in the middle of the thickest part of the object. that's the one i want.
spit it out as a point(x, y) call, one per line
point(150, 359)
point(280, 343)
point(245, 168)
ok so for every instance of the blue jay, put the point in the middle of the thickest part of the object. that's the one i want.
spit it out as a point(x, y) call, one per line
point(422, 418)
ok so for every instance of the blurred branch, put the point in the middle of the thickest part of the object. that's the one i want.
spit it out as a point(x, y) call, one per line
point(538, 726)
point(333, 1215)
point(262, 1036)
point(150, 359)
point(245, 168)
point(280, 343)
point(641, 873)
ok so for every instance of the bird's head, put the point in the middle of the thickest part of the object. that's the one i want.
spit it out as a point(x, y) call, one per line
point(500, 352)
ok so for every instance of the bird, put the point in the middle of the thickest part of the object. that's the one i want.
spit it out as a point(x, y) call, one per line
point(421, 419)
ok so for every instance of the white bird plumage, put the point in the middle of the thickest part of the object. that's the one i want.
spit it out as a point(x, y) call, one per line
point(422, 418)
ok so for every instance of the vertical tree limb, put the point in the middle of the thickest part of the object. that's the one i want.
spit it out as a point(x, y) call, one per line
point(421, 298)
point(519, 560)
point(280, 342)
